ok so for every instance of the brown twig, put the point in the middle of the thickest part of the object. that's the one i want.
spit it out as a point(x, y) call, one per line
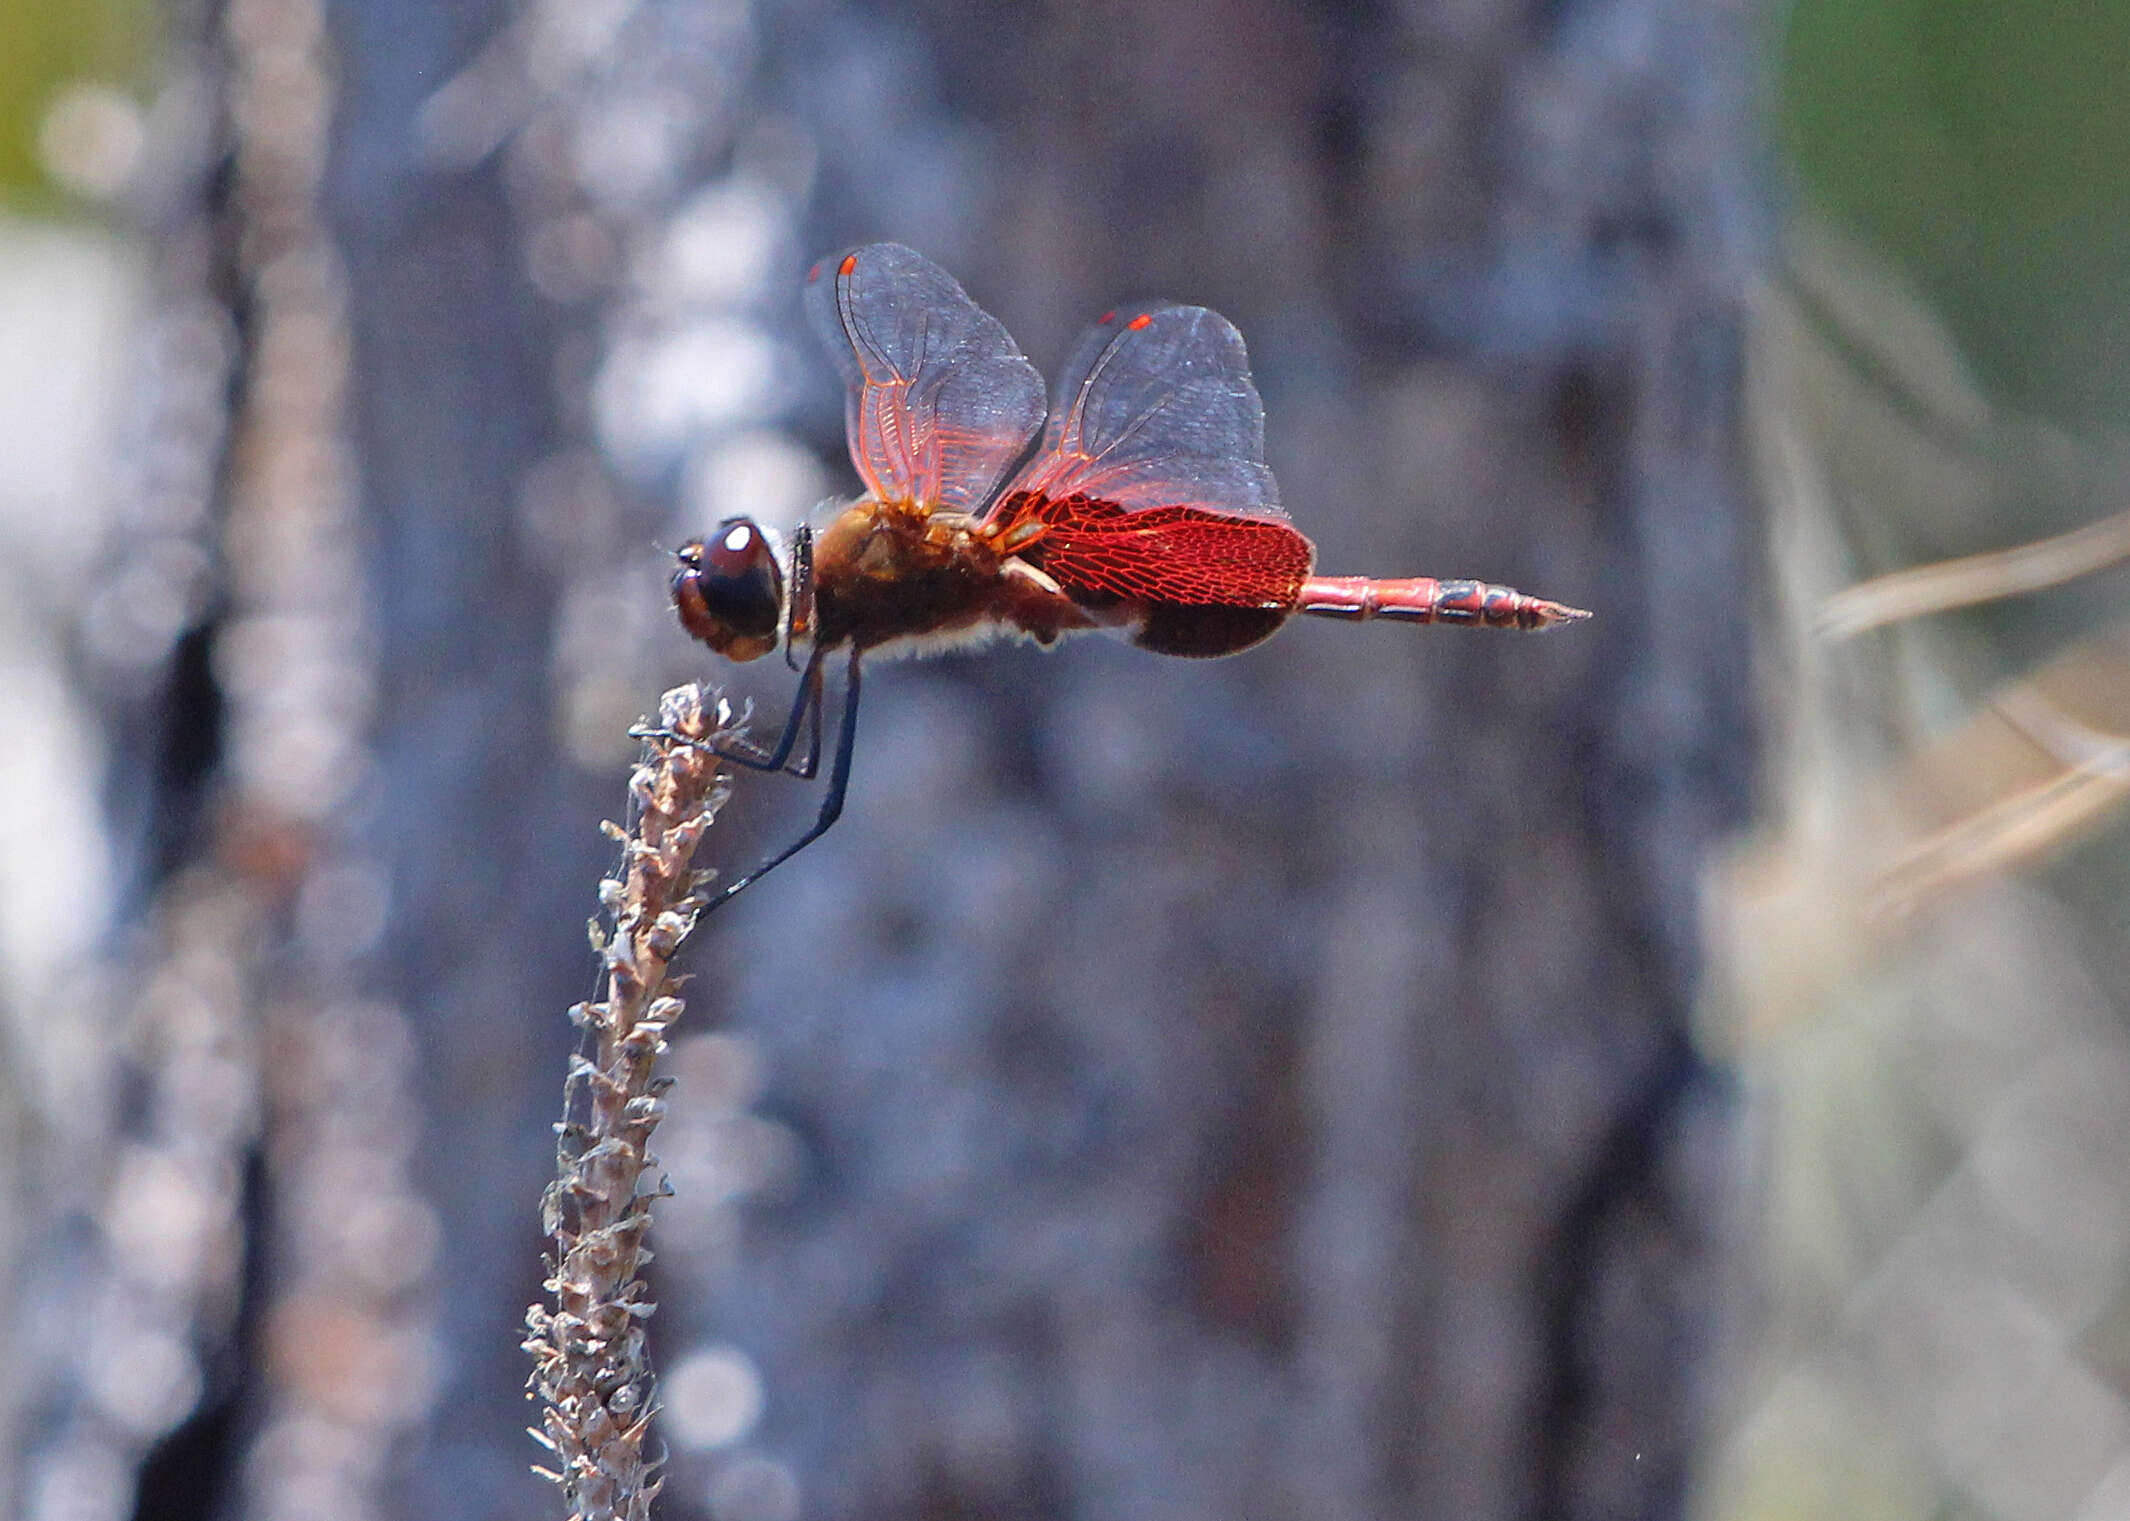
point(1974, 579)
point(591, 1365)
point(2019, 825)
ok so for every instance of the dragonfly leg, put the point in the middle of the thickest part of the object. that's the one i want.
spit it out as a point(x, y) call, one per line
point(805, 710)
point(839, 775)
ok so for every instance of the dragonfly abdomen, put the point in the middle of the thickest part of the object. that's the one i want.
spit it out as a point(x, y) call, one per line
point(1424, 599)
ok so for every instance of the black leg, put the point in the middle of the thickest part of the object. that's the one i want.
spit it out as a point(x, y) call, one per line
point(807, 702)
point(806, 768)
point(839, 775)
point(805, 709)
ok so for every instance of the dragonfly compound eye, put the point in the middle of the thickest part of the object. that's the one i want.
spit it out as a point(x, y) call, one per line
point(729, 591)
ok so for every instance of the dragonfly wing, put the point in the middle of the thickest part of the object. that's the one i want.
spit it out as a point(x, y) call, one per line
point(942, 403)
point(1151, 483)
point(1180, 554)
point(1156, 408)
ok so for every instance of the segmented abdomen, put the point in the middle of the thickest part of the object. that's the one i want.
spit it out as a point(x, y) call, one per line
point(1424, 599)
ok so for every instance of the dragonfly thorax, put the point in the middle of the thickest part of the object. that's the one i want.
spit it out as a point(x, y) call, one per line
point(1140, 503)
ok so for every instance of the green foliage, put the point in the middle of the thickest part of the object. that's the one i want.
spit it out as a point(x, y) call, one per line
point(1983, 147)
point(46, 45)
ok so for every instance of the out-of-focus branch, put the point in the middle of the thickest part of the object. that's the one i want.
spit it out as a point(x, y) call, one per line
point(592, 1366)
point(2017, 827)
point(1974, 579)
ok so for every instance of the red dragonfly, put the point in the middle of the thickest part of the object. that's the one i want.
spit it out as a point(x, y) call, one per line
point(1142, 506)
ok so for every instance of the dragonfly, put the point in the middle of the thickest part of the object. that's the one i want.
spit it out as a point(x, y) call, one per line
point(1137, 500)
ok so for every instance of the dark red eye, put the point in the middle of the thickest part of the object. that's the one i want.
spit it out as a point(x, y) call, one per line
point(729, 591)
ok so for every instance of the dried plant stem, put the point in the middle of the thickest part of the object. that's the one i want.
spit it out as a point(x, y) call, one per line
point(1973, 579)
point(591, 1365)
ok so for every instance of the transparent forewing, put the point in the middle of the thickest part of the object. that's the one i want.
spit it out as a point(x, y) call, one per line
point(1156, 409)
point(1150, 485)
point(942, 404)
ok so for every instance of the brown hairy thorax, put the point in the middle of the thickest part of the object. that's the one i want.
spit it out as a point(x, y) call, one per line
point(890, 571)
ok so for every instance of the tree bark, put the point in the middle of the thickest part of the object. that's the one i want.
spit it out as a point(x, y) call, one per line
point(1240, 1089)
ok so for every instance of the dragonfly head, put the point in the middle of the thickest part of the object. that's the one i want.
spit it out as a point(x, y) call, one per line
point(729, 590)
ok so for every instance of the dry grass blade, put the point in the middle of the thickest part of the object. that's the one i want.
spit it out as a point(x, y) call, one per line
point(592, 1367)
point(1974, 579)
point(2095, 780)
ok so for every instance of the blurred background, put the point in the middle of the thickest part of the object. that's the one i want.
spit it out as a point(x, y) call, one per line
point(1675, 1067)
